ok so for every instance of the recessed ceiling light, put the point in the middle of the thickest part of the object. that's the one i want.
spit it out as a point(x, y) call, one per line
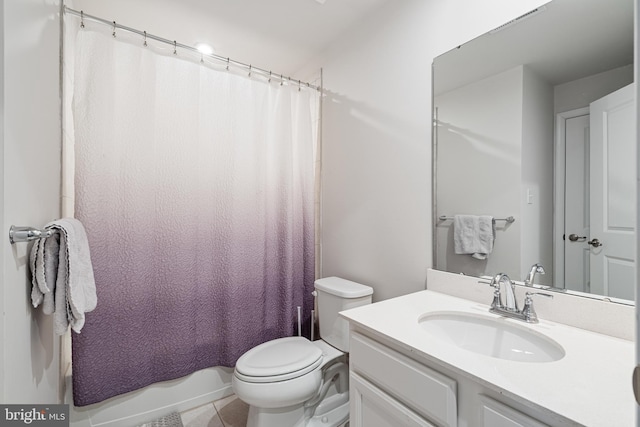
point(204, 48)
point(321, 1)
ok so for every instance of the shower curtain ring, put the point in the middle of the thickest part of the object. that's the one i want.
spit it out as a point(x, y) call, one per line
point(175, 47)
point(269, 77)
point(227, 63)
point(81, 19)
point(281, 80)
point(299, 88)
point(145, 38)
point(249, 75)
point(114, 29)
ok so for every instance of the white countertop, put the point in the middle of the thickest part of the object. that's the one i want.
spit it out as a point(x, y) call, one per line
point(590, 385)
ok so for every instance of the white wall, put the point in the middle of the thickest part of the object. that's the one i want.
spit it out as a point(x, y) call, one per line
point(580, 93)
point(376, 217)
point(495, 157)
point(636, 75)
point(2, 204)
point(479, 166)
point(31, 192)
point(536, 195)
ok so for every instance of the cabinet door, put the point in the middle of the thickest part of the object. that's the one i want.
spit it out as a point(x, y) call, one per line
point(496, 414)
point(371, 407)
point(426, 391)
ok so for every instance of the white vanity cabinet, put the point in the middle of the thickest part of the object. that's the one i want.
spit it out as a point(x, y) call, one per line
point(405, 374)
point(390, 387)
point(496, 414)
point(372, 407)
point(382, 378)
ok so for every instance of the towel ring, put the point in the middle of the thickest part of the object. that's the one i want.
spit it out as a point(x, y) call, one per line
point(27, 234)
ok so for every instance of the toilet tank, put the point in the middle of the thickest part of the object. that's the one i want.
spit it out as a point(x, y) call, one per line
point(335, 295)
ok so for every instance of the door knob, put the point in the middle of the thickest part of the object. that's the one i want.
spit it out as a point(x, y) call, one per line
point(595, 243)
point(576, 238)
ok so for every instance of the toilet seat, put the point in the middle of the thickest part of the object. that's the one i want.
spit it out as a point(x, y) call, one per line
point(278, 360)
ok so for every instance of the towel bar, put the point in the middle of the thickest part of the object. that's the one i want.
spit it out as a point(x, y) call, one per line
point(26, 234)
point(509, 219)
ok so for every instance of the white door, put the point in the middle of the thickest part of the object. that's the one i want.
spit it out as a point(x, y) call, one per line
point(613, 195)
point(576, 202)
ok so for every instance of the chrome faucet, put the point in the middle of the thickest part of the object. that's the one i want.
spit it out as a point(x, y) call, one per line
point(511, 304)
point(535, 269)
point(510, 308)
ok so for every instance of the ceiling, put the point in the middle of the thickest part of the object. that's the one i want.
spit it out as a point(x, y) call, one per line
point(565, 41)
point(283, 35)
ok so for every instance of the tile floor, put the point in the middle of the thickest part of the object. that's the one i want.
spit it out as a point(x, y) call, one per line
point(227, 412)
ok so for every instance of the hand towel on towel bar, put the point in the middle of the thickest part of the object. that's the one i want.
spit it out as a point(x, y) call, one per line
point(474, 235)
point(63, 275)
point(44, 271)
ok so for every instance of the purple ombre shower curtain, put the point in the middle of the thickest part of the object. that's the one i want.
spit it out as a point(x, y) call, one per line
point(196, 189)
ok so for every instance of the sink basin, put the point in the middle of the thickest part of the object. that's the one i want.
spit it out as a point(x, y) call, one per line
point(494, 337)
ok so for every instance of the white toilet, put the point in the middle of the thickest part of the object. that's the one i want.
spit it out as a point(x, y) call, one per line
point(294, 382)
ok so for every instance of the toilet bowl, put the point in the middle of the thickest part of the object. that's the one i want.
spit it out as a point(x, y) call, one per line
point(294, 382)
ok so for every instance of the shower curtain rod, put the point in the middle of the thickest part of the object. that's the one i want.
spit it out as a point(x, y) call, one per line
point(225, 60)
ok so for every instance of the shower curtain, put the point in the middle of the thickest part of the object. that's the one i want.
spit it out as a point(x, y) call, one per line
point(196, 189)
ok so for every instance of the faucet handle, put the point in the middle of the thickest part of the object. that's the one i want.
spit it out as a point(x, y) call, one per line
point(491, 281)
point(528, 296)
point(528, 313)
point(488, 280)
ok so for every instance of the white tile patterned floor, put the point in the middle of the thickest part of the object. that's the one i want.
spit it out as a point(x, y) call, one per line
point(227, 412)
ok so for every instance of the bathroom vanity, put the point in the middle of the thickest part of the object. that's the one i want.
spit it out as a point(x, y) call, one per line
point(432, 359)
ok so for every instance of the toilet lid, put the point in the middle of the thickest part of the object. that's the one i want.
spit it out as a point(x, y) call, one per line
point(284, 358)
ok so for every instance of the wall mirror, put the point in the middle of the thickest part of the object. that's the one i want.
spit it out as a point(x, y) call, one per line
point(535, 120)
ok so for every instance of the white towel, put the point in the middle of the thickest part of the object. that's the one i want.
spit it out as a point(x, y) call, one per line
point(44, 266)
point(36, 262)
point(63, 275)
point(51, 262)
point(473, 235)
